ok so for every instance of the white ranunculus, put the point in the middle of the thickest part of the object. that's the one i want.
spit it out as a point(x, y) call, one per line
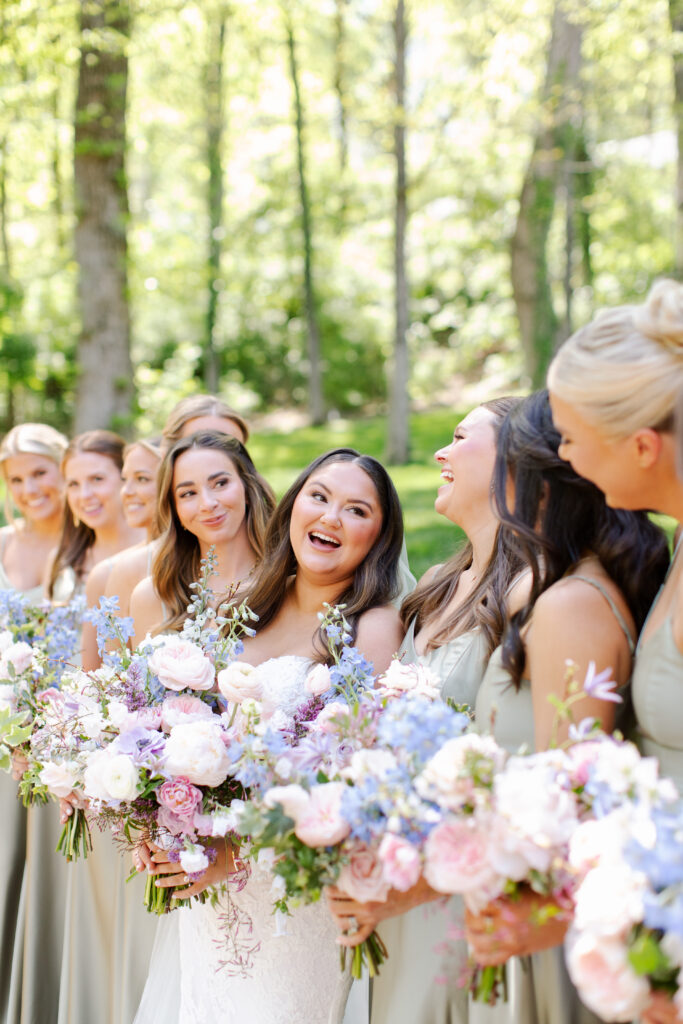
point(182, 665)
point(196, 751)
point(239, 682)
point(110, 777)
point(194, 859)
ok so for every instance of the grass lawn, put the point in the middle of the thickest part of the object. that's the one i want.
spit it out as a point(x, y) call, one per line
point(430, 538)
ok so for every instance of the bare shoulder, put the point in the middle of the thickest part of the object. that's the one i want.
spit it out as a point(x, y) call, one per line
point(145, 608)
point(129, 568)
point(97, 581)
point(572, 600)
point(143, 593)
point(379, 635)
point(519, 593)
point(430, 575)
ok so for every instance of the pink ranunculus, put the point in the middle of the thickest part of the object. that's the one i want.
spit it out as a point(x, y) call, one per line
point(363, 878)
point(180, 797)
point(401, 862)
point(322, 824)
point(182, 665)
point(318, 680)
point(186, 708)
point(457, 856)
point(606, 982)
point(325, 722)
point(239, 682)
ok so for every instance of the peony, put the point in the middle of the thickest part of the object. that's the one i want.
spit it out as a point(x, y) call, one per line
point(196, 751)
point(413, 679)
point(330, 717)
point(609, 900)
point(321, 823)
point(186, 708)
point(400, 861)
point(110, 777)
point(60, 779)
point(457, 858)
point(446, 777)
point(363, 877)
point(318, 680)
point(181, 665)
point(239, 682)
point(294, 800)
point(19, 656)
point(607, 983)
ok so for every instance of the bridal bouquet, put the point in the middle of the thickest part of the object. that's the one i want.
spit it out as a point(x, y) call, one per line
point(626, 940)
point(36, 643)
point(143, 740)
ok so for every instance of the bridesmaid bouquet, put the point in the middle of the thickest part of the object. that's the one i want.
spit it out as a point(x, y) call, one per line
point(36, 643)
point(143, 740)
point(626, 940)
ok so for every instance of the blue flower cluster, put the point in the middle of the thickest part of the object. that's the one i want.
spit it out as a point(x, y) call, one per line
point(110, 627)
point(419, 727)
point(663, 866)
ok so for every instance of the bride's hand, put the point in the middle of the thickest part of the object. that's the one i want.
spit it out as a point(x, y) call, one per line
point(19, 765)
point(662, 1010)
point(142, 857)
point(349, 913)
point(68, 804)
point(171, 874)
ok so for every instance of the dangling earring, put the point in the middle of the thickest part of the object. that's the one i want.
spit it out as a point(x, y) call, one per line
point(77, 521)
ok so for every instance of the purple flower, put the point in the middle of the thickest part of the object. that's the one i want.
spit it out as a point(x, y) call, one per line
point(600, 684)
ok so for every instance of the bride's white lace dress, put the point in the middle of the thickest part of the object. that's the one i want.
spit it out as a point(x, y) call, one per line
point(295, 977)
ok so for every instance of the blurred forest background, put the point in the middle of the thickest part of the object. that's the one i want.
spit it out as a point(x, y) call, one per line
point(330, 207)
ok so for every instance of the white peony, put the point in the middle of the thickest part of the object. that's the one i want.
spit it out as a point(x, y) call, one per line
point(239, 682)
point(196, 751)
point(181, 665)
point(110, 777)
point(609, 901)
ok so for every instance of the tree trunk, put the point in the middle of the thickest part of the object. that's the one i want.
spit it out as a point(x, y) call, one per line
point(214, 118)
point(340, 92)
point(316, 400)
point(399, 409)
point(4, 240)
point(676, 18)
point(554, 144)
point(105, 384)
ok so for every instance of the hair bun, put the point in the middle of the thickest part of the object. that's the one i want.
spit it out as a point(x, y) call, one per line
point(660, 318)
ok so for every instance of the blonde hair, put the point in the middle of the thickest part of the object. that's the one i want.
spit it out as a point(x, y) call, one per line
point(191, 408)
point(150, 444)
point(624, 370)
point(31, 439)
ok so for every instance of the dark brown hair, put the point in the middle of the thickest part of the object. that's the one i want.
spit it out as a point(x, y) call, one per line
point(77, 539)
point(375, 581)
point(177, 562)
point(484, 608)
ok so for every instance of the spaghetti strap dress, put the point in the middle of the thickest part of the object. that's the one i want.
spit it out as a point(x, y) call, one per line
point(539, 988)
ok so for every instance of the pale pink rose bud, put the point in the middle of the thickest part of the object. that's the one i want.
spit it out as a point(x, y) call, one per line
point(238, 682)
point(363, 878)
point(318, 680)
point(400, 861)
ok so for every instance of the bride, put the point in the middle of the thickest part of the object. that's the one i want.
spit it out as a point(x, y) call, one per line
point(335, 537)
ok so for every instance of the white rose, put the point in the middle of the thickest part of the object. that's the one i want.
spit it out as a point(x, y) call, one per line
point(318, 680)
point(182, 665)
point(111, 777)
point(238, 682)
point(60, 779)
point(193, 860)
point(196, 751)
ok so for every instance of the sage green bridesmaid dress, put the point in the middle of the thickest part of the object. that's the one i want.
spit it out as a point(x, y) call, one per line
point(539, 988)
point(419, 982)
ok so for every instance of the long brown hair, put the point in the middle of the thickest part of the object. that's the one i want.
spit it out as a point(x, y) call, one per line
point(375, 581)
point(76, 537)
point(177, 562)
point(484, 608)
point(191, 408)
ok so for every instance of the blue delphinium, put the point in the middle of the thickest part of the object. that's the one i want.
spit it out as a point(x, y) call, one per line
point(419, 726)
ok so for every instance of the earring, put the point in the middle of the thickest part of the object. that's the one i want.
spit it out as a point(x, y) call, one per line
point(77, 521)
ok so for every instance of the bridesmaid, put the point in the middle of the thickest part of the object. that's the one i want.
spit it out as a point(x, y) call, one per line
point(30, 455)
point(138, 497)
point(453, 621)
point(594, 574)
point(613, 390)
point(210, 496)
point(197, 412)
point(95, 527)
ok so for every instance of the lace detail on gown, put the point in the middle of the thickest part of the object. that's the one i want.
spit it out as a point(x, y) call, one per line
point(295, 978)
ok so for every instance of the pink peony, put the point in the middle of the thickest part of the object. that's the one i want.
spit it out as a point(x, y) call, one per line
point(363, 878)
point(239, 682)
point(457, 856)
point(321, 823)
point(401, 862)
point(607, 983)
point(180, 797)
point(181, 665)
point(196, 751)
point(175, 710)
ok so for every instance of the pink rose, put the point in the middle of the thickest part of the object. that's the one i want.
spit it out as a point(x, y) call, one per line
point(321, 823)
point(457, 858)
point(363, 877)
point(401, 862)
point(607, 983)
point(239, 682)
point(181, 665)
point(318, 680)
point(175, 710)
point(180, 797)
